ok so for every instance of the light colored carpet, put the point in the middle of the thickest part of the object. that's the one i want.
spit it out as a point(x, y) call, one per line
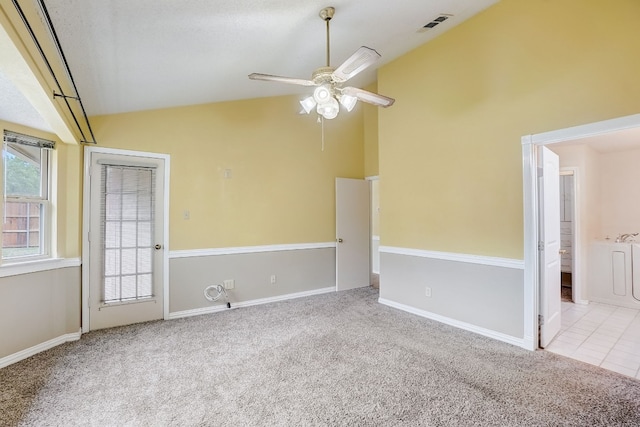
point(328, 360)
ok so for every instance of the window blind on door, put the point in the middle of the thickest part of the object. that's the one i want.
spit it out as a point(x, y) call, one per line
point(127, 219)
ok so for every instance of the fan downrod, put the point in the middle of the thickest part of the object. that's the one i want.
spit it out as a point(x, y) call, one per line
point(326, 14)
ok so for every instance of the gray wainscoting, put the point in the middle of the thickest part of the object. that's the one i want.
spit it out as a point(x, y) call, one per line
point(296, 271)
point(37, 308)
point(486, 296)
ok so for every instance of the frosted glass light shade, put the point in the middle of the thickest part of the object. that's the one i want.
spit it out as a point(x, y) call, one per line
point(329, 110)
point(322, 94)
point(308, 103)
point(348, 101)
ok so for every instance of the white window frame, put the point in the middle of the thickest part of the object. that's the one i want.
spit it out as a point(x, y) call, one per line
point(45, 199)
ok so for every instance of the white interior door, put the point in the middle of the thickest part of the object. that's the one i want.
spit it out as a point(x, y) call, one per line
point(352, 233)
point(550, 300)
point(126, 239)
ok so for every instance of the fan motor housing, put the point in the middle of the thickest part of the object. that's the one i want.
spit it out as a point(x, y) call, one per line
point(322, 75)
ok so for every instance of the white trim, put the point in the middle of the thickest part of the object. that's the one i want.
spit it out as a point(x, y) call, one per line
point(165, 234)
point(120, 152)
point(86, 203)
point(586, 131)
point(86, 200)
point(54, 194)
point(32, 351)
point(531, 213)
point(372, 178)
point(28, 267)
point(218, 308)
point(189, 253)
point(530, 283)
point(375, 238)
point(448, 256)
point(456, 323)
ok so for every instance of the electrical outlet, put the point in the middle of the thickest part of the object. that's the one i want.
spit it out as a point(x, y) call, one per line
point(273, 279)
point(186, 214)
point(427, 292)
point(229, 284)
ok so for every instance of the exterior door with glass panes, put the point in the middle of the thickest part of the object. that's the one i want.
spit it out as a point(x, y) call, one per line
point(125, 240)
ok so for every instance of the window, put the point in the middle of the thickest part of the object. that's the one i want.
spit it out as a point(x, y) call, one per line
point(27, 208)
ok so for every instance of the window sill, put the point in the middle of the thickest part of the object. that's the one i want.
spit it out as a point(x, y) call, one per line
point(36, 266)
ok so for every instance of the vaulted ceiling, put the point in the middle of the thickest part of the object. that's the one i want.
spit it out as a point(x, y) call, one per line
point(146, 54)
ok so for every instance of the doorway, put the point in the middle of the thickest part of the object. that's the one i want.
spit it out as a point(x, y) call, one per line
point(567, 232)
point(352, 233)
point(530, 147)
point(125, 238)
point(374, 186)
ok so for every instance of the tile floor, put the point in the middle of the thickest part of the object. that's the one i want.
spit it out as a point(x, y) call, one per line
point(603, 335)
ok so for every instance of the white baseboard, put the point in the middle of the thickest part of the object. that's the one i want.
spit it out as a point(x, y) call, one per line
point(31, 351)
point(520, 342)
point(218, 308)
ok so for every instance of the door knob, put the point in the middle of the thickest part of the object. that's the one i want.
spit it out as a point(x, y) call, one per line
point(339, 240)
point(158, 247)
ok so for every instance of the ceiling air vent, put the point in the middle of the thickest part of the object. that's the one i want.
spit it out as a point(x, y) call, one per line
point(439, 20)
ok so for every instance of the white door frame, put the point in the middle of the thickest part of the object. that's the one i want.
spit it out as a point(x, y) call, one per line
point(86, 202)
point(370, 180)
point(531, 208)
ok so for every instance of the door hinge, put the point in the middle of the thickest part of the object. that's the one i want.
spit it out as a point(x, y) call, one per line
point(540, 172)
point(541, 246)
point(540, 320)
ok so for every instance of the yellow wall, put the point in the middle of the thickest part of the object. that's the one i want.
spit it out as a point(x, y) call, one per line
point(282, 186)
point(69, 200)
point(370, 116)
point(450, 152)
point(67, 185)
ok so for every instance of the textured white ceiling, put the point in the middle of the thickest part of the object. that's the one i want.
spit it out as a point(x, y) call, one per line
point(15, 108)
point(135, 55)
point(129, 55)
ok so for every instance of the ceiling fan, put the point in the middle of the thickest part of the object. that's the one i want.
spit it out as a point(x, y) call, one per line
point(328, 81)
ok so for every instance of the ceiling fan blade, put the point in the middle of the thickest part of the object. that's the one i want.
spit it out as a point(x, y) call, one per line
point(370, 97)
point(289, 80)
point(361, 59)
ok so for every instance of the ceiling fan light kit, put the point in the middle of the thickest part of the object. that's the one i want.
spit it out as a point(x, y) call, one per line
point(329, 93)
point(322, 94)
point(348, 101)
